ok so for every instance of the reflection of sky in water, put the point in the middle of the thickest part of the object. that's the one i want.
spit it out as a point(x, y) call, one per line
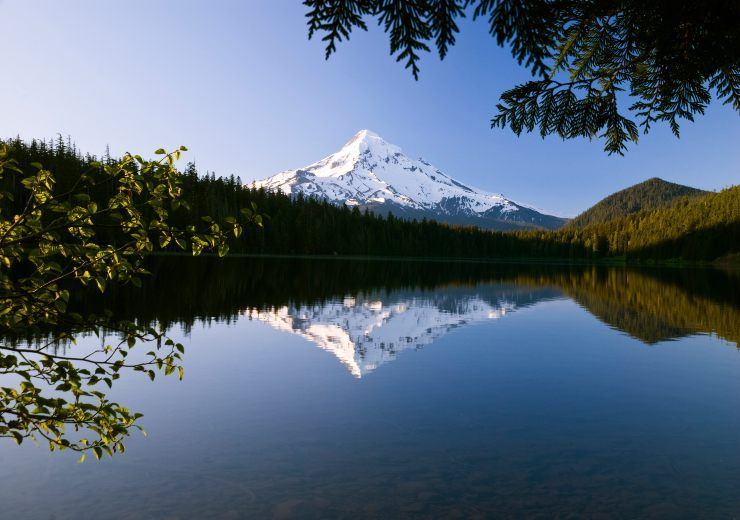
point(547, 412)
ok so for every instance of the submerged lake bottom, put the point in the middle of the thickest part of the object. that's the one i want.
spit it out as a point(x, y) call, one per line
point(381, 389)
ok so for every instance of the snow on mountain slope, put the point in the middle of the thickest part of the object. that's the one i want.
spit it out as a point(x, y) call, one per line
point(372, 173)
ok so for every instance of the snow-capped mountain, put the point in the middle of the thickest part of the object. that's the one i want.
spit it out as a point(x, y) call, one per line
point(365, 331)
point(369, 172)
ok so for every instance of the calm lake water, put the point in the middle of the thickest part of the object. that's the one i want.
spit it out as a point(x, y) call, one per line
point(369, 389)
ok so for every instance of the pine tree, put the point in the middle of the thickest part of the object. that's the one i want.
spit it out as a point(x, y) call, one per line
point(584, 55)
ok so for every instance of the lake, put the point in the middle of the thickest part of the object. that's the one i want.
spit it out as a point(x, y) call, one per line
point(331, 388)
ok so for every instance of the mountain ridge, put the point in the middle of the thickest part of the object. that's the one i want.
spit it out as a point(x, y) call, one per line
point(650, 194)
point(370, 173)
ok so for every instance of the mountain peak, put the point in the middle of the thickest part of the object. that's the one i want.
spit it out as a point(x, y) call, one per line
point(366, 134)
point(371, 173)
point(366, 141)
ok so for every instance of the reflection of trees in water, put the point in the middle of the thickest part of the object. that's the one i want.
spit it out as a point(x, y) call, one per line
point(650, 304)
point(656, 305)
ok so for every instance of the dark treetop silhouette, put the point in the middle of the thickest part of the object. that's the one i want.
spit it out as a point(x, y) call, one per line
point(667, 55)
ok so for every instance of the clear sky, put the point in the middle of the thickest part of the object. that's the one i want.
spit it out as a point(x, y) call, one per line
point(239, 83)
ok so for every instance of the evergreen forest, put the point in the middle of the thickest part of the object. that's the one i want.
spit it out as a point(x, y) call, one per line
point(697, 228)
point(651, 194)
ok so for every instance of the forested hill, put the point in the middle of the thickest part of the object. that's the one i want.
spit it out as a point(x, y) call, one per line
point(698, 228)
point(652, 194)
point(701, 228)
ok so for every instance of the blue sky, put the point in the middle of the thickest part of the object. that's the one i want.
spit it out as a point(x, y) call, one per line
point(240, 85)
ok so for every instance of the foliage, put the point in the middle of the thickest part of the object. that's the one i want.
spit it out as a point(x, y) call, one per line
point(86, 228)
point(700, 229)
point(651, 194)
point(58, 236)
point(650, 304)
point(585, 55)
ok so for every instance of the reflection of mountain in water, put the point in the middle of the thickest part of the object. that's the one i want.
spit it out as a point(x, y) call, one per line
point(651, 305)
point(368, 330)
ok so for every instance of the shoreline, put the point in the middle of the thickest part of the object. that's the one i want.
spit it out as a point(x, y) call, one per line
point(729, 263)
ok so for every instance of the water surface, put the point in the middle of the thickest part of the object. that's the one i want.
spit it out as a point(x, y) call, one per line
point(336, 389)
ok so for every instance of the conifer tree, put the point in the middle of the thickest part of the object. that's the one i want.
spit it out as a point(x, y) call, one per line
point(601, 68)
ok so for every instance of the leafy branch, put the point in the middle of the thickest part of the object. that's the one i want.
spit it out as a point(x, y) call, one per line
point(63, 240)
